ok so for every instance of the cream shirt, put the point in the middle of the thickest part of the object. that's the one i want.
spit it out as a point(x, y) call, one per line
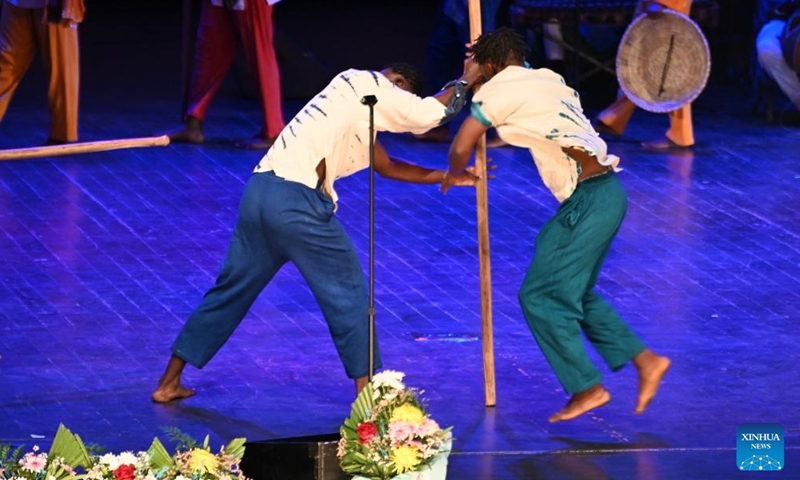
point(334, 125)
point(535, 109)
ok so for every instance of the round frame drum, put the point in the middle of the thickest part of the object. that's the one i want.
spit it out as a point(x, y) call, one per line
point(663, 61)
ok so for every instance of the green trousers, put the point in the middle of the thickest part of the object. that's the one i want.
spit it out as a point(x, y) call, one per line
point(557, 295)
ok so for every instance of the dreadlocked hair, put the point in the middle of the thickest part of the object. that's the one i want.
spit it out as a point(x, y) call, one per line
point(410, 73)
point(498, 47)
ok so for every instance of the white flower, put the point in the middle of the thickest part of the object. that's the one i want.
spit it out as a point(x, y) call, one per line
point(181, 477)
point(391, 395)
point(95, 473)
point(142, 461)
point(127, 458)
point(110, 460)
point(390, 379)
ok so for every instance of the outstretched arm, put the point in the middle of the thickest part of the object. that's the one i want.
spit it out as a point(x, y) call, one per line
point(400, 111)
point(461, 151)
point(396, 169)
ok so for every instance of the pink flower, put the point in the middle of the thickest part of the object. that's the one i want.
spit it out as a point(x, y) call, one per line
point(34, 463)
point(400, 431)
point(426, 428)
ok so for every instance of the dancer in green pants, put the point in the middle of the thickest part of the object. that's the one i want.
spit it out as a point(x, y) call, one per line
point(535, 109)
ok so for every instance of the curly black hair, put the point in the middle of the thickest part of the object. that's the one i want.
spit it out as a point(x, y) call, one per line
point(410, 73)
point(499, 47)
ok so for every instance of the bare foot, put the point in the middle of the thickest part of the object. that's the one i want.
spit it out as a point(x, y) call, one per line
point(652, 369)
point(581, 403)
point(604, 129)
point(191, 132)
point(256, 143)
point(169, 392)
point(664, 144)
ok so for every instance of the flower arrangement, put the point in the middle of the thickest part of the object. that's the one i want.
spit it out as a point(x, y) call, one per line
point(390, 435)
point(30, 466)
point(66, 454)
point(194, 462)
point(68, 457)
point(125, 466)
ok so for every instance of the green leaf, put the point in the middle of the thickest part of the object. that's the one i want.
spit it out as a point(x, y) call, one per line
point(235, 448)
point(184, 441)
point(363, 403)
point(159, 457)
point(69, 446)
point(84, 452)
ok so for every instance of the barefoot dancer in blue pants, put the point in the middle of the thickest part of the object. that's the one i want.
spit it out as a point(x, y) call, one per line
point(287, 214)
point(534, 109)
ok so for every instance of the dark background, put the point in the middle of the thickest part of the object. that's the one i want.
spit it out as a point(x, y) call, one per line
point(131, 50)
point(331, 35)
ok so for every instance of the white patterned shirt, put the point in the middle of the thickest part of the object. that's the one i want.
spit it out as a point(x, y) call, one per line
point(334, 125)
point(535, 109)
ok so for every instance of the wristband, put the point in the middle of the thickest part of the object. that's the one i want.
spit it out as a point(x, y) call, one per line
point(457, 101)
point(453, 83)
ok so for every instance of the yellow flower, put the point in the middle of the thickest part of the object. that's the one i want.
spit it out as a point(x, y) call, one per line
point(202, 460)
point(408, 413)
point(405, 459)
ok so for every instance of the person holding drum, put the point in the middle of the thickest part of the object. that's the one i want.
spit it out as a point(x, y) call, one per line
point(614, 119)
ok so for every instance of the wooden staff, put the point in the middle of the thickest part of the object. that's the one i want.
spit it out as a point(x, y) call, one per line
point(84, 147)
point(482, 196)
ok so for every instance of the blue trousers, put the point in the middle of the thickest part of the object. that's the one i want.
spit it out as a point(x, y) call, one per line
point(281, 221)
point(557, 295)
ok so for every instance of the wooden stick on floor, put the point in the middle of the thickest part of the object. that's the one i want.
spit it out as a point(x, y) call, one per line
point(84, 147)
point(484, 258)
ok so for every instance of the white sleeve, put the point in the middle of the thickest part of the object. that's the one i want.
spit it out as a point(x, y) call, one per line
point(400, 111)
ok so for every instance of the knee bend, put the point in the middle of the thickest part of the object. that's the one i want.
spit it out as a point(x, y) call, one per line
point(527, 294)
point(532, 301)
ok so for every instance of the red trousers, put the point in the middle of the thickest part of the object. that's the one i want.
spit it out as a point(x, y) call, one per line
point(21, 32)
point(219, 33)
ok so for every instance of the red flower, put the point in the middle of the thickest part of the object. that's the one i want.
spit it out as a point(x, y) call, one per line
point(366, 431)
point(125, 472)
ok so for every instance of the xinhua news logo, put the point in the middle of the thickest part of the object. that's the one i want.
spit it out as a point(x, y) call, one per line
point(759, 447)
